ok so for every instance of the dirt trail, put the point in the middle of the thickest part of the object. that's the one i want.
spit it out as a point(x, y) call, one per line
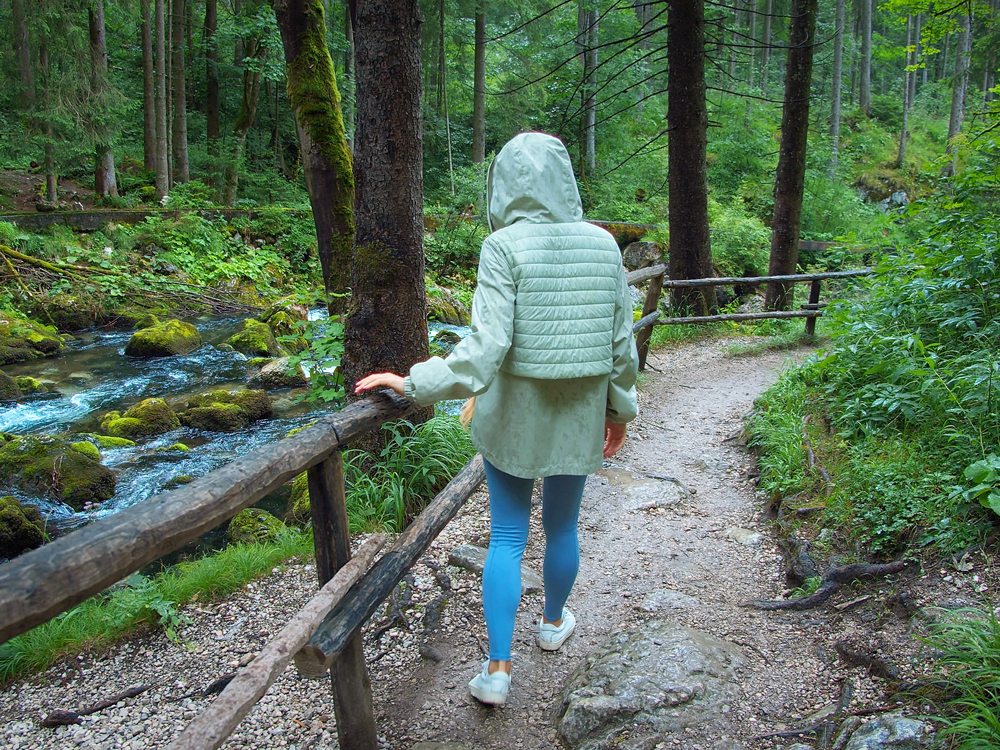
point(675, 563)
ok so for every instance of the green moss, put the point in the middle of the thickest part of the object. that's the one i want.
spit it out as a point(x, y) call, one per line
point(253, 525)
point(86, 448)
point(105, 442)
point(255, 339)
point(164, 340)
point(22, 340)
point(29, 385)
point(299, 511)
point(147, 418)
point(178, 447)
point(222, 411)
point(21, 527)
point(259, 361)
point(146, 321)
point(9, 390)
point(48, 463)
point(178, 481)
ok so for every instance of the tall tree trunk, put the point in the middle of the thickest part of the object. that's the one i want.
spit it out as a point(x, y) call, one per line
point(148, 89)
point(914, 58)
point(735, 37)
point(180, 146)
point(160, 62)
point(751, 58)
point(105, 182)
point(838, 75)
point(387, 325)
point(865, 97)
point(591, 21)
point(211, 75)
point(51, 180)
point(326, 159)
point(642, 16)
point(168, 47)
point(239, 51)
point(248, 112)
point(960, 81)
point(765, 53)
point(690, 253)
point(22, 49)
point(441, 61)
point(907, 93)
point(479, 88)
point(790, 175)
point(944, 57)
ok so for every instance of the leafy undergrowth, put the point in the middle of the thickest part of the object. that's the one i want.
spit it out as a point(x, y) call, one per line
point(141, 602)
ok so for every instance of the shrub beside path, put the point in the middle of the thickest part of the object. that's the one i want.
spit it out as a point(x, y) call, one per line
point(672, 544)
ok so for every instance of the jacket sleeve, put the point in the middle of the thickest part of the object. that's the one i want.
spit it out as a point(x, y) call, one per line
point(475, 361)
point(622, 404)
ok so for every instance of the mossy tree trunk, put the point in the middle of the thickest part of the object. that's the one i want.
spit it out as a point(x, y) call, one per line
point(386, 328)
point(211, 74)
point(148, 88)
point(160, 67)
point(105, 182)
point(326, 159)
point(789, 181)
point(690, 253)
point(253, 64)
point(179, 143)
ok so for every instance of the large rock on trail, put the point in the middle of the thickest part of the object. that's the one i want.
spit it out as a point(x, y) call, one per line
point(885, 732)
point(50, 464)
point(650, 682)
point(21, 340)
point(20, 527)
point(164, 340)
point(145, 419)
point(473, 558)
point(222, 411)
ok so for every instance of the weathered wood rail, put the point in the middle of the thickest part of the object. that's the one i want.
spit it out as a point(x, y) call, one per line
point(656, 275)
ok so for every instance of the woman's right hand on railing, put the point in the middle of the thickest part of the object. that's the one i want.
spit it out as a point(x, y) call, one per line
point(376, 379)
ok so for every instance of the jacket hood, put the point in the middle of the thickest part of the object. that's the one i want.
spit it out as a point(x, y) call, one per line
point(532, 179)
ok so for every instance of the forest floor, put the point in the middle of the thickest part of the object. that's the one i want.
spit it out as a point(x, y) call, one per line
point(20, 191)
point(692, 407)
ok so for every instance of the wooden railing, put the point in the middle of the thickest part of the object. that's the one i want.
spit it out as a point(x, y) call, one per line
point(325, 634)
point(656, 275)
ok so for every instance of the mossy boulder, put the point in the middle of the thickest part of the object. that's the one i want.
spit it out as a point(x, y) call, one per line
point(444, 307)
point(9, 390)
point(255, 339)
point(71, 312)
point(49, 463)
point(284, 319)
point(147, 418)
point(443, 342)
point(87, 448)
point(21, 527)
point(299, 510)
point(253, 526)
point(176, 448)
point(30, 386)
point(145, 321)
point(222, 411)
point(178, 481)
point(164, 340)
point(105, 442)
point(279, 373)
point(21, 340)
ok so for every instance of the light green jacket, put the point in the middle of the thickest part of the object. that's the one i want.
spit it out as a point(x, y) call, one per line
point(551, 353)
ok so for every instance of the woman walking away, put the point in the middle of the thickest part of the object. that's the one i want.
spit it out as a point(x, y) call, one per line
point(553, 363)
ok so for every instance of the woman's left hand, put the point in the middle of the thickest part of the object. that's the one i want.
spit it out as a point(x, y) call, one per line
point(376, 379)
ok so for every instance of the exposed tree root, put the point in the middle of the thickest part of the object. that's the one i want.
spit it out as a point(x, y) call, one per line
point(833, 579)
point(61, 717)
point(876, 667)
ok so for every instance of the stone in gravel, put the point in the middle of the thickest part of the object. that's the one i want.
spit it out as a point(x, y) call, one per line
point(889, 731)
point(656, 679)
point(710, 463)
point(474, 558)
point(664, 599)
point(746, 537)
point(654, 494)
point(438, 746)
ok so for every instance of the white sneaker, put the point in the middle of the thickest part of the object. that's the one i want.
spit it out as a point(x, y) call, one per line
point(550, 637)
point(490, 689)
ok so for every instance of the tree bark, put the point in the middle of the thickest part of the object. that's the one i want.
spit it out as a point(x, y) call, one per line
point(248, 112)
point(865, 96)
point(838, 75)
point(180, 148)
point(790, 175)
point(690, 254)
point(479, 88)
point(386, 328)
point(351, 105)
point(148, 88)
point(326, 159)
point(907, 93)
point(765, 53)
point(160, 62)
point(211, 75)
point(959, 83)
point(105, 183)
point(51, 180)
point(22, 49)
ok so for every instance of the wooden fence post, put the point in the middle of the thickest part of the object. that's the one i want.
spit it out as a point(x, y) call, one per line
point(813, 305)
point(352, 690)
point(649, 306)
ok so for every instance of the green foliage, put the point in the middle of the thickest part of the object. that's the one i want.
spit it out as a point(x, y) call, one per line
point(144, 602)
point(452, 248)
point(776, 434)
point(740, 242)
point(193, 194)
point(321, 360)
point(415, 465)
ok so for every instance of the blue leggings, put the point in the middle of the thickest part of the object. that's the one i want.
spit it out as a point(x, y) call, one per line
point(510, 508)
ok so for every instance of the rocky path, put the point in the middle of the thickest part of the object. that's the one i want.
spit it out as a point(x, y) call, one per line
point(671, 547)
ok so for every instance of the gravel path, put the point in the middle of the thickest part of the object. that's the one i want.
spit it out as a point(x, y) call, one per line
point(678, 562)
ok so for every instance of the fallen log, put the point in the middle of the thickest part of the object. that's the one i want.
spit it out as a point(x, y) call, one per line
point(833, 579)
point(214, 725)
